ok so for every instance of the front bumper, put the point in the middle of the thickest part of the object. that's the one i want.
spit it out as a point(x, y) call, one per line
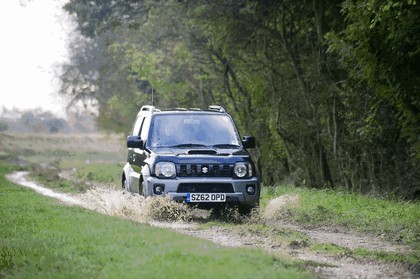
point(238, 195)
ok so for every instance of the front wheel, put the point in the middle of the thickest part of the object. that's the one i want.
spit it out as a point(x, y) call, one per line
point(141, 189)
point(246, 209)
point(124, 185)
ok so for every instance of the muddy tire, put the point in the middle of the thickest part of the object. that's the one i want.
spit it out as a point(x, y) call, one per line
point(218, 211)
point(246, 209)
point(124, 184)
point(141, 189)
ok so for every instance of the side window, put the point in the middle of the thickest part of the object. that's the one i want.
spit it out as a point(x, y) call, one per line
point(137, 126)
point(145, 129)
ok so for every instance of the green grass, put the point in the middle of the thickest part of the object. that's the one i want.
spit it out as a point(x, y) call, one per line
point(101, 172)
point(51, 179)
point(94, 158)
point(67, 150)
point(330, 249)
point(40, 238)
point(106, 174)
point(361, 253)
point(282, 236)
point(398, 221)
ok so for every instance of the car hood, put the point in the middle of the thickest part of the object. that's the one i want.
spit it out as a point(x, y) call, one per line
point(203, 151)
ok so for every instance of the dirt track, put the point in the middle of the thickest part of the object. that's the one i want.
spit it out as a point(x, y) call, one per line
point(137, 208)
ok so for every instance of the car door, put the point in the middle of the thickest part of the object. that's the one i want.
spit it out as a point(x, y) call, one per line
point(136, 156)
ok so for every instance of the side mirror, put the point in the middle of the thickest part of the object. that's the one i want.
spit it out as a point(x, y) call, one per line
point(135, 142)
point(248, 142)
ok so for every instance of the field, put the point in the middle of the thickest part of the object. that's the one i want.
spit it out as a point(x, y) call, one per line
point(296, 233)
point(41, 238)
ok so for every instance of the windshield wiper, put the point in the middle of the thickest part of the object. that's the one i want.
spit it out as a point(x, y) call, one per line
point(188, 145)
point(226, 145)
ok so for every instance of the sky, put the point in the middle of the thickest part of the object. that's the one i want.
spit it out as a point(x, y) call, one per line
point(34, 37)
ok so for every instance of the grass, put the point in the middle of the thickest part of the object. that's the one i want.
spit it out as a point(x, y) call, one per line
point(101, 172)
point(330, 249)
point(51, 179)
point(398, 221)
point(106, 174)
point(97, 159)
point(282, 236)
point(93, 157)
point(69, 151)
point(361, 253)
point(40, 238)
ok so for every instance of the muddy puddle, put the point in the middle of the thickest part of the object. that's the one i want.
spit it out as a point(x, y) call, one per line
point(115, 203)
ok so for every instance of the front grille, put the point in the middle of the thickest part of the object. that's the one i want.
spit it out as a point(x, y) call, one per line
point(206, 170)
point(205, 188)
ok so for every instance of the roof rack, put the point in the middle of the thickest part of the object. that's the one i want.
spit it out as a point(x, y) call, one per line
point(151, 109)
point(148, 108)
point(217, 108)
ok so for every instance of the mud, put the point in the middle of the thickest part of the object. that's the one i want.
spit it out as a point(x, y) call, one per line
point(183, 219)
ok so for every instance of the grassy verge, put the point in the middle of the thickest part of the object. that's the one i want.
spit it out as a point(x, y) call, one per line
point(398, 221)
point(50, 178)
point(39, 238)
point(107, 175)
point(411, 259)
point(283, 237)
point(101, 172)
point(90, 157)
point(95, 158)
point(66, 150)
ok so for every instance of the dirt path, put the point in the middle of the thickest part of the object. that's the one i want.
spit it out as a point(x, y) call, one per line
point(324, 265)
point(137, 208)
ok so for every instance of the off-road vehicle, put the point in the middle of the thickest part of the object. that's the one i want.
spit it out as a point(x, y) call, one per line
point(191, 155)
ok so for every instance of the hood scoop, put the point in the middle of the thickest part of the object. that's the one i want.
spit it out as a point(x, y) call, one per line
point(202, 151)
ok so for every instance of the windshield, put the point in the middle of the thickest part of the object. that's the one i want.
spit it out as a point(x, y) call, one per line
point(193, 130)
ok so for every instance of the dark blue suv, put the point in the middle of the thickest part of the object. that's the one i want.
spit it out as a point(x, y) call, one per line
point(191, 155)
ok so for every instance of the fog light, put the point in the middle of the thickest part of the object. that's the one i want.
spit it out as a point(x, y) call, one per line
point(250, 189)
point(158, 189)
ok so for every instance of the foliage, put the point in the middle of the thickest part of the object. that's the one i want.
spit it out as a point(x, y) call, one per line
point(329, 88)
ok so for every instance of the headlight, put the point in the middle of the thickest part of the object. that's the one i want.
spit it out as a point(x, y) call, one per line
point(165, 170)
point(242, 170)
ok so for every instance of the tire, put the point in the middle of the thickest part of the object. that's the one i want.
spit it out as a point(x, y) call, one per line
point(124, 185)
point(141, 189)
point(246, 209)
point(218, 211)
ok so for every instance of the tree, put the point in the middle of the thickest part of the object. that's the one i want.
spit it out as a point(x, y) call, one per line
point(378, 52)
point(333, 99)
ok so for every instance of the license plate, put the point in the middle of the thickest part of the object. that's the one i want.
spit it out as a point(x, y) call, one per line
point(206, 197)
